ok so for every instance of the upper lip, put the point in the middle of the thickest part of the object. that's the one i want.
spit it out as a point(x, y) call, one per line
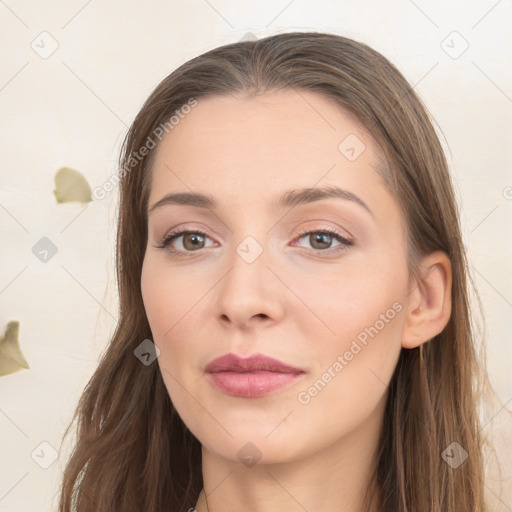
point(256, 362)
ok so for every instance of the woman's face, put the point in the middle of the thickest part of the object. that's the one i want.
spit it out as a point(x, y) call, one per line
point(256, 283)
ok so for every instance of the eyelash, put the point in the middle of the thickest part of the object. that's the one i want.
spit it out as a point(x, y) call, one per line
point(173, 235)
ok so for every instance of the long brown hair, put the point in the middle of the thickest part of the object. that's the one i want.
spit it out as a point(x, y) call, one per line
point(133, 452)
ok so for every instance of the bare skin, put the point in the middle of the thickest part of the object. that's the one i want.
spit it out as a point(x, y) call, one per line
point(304, 300)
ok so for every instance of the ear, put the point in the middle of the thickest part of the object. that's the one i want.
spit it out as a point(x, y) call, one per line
point(430, 305)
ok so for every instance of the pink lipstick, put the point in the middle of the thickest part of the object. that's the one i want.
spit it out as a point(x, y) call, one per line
point(255, 376)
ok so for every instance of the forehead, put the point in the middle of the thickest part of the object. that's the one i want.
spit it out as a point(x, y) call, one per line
point(243, 147)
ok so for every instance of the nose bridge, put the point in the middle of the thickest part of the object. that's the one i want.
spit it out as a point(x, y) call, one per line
point(246, 289)
point(249, 242)
point(248, 264)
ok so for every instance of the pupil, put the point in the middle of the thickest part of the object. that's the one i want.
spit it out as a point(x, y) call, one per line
point(322, 236)
point(195, 239)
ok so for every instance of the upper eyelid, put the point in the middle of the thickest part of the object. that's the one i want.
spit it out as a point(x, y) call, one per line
point(302, 232)
point(195, 227)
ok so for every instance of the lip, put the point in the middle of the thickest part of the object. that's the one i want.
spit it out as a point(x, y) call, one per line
point(254, 363)
point(251, 377)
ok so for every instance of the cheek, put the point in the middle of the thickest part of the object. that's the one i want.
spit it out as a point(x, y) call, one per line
point(161, 296)
point(163, 309)
point(351, 370)
point(350, 301)
point(169, 296)
point(356, 339)
point(172, 301)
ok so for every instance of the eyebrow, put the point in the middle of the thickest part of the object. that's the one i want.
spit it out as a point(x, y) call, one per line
point(289, 199)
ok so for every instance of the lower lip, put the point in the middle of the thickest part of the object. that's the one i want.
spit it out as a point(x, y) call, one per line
point(252, 384)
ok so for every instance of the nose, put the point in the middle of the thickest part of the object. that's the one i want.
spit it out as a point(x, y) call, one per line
point(250, 294)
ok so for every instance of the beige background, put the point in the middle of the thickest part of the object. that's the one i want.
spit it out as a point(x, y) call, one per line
point(73, 108)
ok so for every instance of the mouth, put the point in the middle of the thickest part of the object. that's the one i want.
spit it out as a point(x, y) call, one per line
point(251, 377)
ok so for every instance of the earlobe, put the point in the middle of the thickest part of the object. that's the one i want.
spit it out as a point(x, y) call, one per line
point(429, 304)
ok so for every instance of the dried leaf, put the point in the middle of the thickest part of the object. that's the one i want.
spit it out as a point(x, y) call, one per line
point(70, 185)
point(11, 358)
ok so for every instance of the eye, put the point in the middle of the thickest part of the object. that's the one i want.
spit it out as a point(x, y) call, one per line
point(192, 241)
point(321, 239)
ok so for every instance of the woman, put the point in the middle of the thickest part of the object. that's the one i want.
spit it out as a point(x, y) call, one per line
point(294, 324)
